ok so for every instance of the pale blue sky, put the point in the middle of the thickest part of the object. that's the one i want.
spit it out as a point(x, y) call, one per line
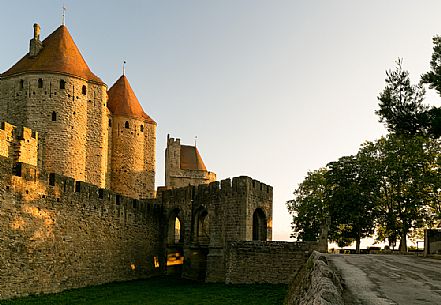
point(272, 89)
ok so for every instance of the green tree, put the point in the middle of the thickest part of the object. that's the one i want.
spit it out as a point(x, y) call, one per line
point(433, 79)
point(308, 207)
point(401, 104)
point(407, 171)
point(351, 196)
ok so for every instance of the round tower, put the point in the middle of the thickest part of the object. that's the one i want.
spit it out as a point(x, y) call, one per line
point(133, 149)
point(52, 90)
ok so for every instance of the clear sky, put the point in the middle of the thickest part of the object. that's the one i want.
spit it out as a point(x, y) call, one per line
point(271, 88)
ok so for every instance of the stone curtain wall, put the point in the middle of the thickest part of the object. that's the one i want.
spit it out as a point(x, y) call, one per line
point(57, 234)
point(265, 262)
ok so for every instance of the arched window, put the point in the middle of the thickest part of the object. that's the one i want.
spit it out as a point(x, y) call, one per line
point(40, 83)
point(84, 90)
point(141, 128)
point(177, 235)
point(175, 228)
point(259, 225)
point(126, 125)
point(21, 85)
point(54, 116)
point(201, 226)
point(62, 84)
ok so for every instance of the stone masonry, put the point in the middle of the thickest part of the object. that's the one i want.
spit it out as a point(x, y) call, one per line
point(184, 165)
point(78, 204)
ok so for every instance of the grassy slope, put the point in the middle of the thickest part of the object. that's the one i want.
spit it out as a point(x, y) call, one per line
point(159, 291)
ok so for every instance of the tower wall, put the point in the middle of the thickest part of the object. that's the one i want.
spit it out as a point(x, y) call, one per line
point(133, 157)
point(71, 122)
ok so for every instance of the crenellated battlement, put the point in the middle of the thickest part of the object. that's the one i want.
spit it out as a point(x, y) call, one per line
point(29, 182)
point(226, 187)
point(18, 143)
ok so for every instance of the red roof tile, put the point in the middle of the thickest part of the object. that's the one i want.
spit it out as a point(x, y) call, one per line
point(191, 159)
point(123, 101)
point(59, 54)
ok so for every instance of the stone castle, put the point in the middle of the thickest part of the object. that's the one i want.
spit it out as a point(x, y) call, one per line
point(78, 204)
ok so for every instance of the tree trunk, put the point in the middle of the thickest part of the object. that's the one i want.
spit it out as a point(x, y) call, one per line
point(357, 245)
point(403, 242)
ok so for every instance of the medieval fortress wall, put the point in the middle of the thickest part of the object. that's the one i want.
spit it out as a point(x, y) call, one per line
point(78, 204)
point(58, 233)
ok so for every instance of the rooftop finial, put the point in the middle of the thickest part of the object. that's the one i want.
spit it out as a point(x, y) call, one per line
point(195, 140)
point(63, 15)
point(124, 67)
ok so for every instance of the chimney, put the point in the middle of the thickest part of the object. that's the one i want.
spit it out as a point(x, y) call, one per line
point(35, 44)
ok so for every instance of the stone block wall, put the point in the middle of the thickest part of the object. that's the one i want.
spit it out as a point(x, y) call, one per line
point(229, 205)
point(133, 157)
point(265, 262)
point(71, 121)
point(57, 233)
point(19, 144)
point(177, 177)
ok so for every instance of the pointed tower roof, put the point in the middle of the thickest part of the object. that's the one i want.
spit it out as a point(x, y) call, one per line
point(59, 54)
point(191, 159)
point(123, 101)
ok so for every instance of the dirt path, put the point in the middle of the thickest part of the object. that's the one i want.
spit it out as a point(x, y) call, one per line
point(389, 279)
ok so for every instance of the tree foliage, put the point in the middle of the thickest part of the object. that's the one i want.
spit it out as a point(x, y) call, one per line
point(408, 184)
point(308, 206)
point(392, 185)
point(401, 104)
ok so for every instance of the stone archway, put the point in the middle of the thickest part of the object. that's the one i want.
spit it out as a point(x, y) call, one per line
point(259, 225)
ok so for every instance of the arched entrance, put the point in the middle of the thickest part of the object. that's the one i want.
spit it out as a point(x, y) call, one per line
point(259, 225)
point(175, 243)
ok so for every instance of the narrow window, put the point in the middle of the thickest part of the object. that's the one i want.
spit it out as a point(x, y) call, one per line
point(83, 90)
point(142, 128)
point(126, 125)
point(21, 84)
point(40, 83)
point(54, 116)
point(52, 179)
point(110, 123)
point(177, 235)
point(62, 84)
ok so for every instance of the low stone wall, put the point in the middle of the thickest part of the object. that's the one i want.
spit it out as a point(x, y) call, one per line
point(264, 261)
point(316, 283)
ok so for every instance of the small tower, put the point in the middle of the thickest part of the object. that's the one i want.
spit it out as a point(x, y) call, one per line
point(133, 143)
point(184, 165)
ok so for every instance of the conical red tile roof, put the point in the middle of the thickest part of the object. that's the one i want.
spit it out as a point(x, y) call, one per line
point(59, 54)
point(191, 159)
point(123, 101)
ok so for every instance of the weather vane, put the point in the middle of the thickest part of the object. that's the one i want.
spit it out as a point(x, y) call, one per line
point(63, 15)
